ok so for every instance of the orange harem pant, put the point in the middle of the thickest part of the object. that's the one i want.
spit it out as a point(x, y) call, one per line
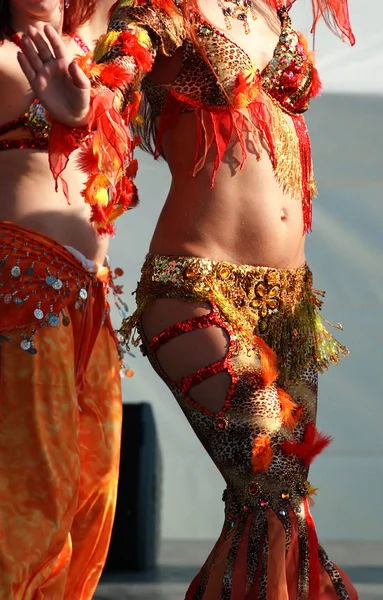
point(60, 418)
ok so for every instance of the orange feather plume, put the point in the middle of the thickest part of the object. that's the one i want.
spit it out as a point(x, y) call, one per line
point(290, 411)
point(269, 369)
point(262, 454)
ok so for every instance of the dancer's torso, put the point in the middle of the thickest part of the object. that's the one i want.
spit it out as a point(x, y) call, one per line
point(27, 195)
point(247, 218)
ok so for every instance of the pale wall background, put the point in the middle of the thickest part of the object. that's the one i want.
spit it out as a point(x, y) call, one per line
point(346, 254)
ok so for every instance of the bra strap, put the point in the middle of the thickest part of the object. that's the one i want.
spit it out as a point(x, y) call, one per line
point(80, 43)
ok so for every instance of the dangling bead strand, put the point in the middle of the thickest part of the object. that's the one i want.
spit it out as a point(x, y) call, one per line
point(240, 11)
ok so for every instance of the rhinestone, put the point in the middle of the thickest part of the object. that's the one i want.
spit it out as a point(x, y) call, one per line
point(282, 513)
point(32, 350)
point(53, 320)
point(253, 488)
point(221, 423)
point(15, 271)
point(17, 301)
point(190, 273)
point(83, 294)
point(7, 298)
point(264, 503)
point(224, 273)
point(66, 321)
point(25, 344)
point(57, 284)
point(50, 280)
point(38, 314)
point(285, 495)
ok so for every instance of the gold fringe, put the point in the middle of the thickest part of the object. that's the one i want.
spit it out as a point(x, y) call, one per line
point(288, 169)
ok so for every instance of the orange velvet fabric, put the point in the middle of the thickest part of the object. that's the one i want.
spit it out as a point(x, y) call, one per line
point(59, 457)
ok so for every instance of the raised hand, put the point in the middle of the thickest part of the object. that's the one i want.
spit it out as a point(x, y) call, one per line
point(58, 82)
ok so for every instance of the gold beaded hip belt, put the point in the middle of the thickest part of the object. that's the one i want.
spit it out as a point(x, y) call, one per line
point(39, 278)
point(279, 305)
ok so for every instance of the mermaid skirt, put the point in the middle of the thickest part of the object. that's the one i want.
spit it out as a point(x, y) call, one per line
point(262, 436)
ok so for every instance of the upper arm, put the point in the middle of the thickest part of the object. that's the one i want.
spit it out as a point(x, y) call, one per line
point(136, 33)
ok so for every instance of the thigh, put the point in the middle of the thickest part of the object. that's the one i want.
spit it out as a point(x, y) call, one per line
point(194, 349)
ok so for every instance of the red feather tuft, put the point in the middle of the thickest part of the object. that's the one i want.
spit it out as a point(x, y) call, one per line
point(131, 170)
point(127, 194)
point(86, 160)
point(316, 84)
point(115, 76)
point(313, 444)
point(130, 45)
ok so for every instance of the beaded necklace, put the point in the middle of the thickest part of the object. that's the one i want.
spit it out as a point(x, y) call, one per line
point(16, 39)
point(240, 11)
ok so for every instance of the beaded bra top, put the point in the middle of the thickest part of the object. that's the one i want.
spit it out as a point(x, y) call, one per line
point(290, 77)
point(34, 122)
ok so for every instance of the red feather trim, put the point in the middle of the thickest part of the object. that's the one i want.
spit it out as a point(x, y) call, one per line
point(313, 444)
point(316, 84)
point(115, 75)
point(86, 160)
point(130, 45)
point(127, 196)
point(131, 170)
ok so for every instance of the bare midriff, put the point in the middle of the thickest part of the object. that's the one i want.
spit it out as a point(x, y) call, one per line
point(246, 218)
point(28, 198)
